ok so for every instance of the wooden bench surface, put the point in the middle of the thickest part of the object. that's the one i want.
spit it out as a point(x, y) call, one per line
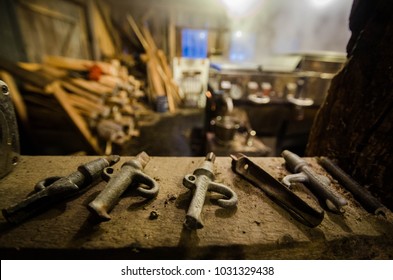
point(257, 229)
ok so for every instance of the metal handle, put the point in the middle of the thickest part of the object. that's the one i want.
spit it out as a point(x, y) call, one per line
point(193, 218)
point(110, 195)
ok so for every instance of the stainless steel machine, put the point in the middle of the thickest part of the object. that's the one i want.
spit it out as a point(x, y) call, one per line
point(280, 97)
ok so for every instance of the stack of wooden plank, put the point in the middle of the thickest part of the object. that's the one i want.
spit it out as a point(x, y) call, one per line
point(100, 98)
point(160, 78)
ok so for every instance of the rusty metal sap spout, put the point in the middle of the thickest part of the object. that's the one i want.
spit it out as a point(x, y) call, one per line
point(318, 184)
point(276, 191)
point(53, 190)
point(131, 172)
point(201, 181)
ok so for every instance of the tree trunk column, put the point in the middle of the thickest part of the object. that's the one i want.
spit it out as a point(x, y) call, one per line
point(355, 123)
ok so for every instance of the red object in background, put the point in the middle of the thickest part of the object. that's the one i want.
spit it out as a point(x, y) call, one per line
point(95, 72)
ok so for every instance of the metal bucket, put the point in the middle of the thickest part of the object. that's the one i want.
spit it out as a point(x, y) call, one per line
point(225, 128)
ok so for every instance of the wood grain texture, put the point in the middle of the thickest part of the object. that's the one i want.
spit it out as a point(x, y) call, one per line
point(256, 229)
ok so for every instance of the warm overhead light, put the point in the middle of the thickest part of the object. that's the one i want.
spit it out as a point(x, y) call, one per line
point(240, 7)
point(321, 3)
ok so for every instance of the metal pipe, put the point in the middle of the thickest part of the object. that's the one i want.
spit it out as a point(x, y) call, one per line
point(369, 202)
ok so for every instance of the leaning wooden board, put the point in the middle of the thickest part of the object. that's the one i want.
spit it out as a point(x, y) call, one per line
point(256, 229)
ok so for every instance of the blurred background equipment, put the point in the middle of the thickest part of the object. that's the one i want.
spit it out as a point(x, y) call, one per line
point(97, 76)
point(280, 97)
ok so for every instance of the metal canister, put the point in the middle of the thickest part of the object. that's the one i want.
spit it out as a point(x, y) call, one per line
point(225, 128)
point(9, 137)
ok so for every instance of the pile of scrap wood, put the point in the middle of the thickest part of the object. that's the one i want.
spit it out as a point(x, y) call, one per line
point(100, 98)
point(159, 75)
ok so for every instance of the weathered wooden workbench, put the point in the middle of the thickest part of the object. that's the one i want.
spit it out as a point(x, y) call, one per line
point(256, 229)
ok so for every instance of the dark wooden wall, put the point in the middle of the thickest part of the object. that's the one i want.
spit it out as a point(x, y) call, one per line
point(53, 28)
point(355, 124)
point(11, 45)
point(31, 29)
